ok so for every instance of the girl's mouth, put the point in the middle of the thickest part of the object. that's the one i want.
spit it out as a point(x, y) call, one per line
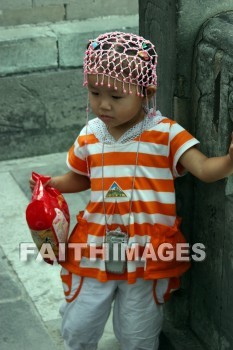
point(105, 118)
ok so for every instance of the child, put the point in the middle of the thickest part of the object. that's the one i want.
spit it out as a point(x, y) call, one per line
point(129, 156)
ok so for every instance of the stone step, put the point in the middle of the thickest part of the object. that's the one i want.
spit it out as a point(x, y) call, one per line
point(41, 71)
point(29, 48)
point(36, 11)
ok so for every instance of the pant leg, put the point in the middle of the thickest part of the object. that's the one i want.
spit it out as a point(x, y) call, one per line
point(85, 312)
point(137, 319)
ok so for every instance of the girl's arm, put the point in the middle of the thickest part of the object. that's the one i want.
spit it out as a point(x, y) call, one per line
point(68, 183)
point(208, 169)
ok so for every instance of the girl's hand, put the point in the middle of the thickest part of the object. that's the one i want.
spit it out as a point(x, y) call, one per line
point(70, 182)
point(33, 182)
point(231, 148)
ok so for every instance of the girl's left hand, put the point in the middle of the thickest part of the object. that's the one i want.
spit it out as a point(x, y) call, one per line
point(231, 148)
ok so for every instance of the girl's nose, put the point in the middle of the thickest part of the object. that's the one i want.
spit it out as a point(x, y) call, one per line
point(105, 104)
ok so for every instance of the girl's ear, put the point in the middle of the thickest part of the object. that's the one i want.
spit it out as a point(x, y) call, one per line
point(150, 91)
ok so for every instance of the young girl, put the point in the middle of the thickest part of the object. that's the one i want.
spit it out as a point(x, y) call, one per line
point(129, 156)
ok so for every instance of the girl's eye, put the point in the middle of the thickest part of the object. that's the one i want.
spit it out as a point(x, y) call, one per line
point(94, 93)
point(117, 97)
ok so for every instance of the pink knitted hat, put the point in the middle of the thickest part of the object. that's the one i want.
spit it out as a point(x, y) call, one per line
point(125, 57)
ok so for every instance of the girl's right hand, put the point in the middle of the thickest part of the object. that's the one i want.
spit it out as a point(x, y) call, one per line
point(33, 182)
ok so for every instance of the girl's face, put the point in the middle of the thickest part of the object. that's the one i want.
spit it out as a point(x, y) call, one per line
point(118, 110)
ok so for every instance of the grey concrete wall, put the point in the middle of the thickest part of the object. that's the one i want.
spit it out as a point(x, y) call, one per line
point(42, 98)
point(15, 12)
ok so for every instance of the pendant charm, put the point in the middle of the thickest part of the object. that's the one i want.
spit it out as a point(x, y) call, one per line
point(116, 242)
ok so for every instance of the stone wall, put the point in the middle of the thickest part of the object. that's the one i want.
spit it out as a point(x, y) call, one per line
point(173, 27)
point(15, 12)
point(42, 42)
point(42, 100)
point(211, 305)
point(157, 20)
point(199, 98)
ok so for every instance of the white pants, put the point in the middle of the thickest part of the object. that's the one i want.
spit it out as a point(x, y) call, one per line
point(137, 319)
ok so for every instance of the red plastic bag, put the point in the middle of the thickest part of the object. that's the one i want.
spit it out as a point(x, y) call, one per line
point(47, 216)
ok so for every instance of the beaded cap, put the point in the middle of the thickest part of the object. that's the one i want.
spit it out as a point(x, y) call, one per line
point(125, 57)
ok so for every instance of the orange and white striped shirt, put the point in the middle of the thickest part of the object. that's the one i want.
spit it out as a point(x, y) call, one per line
point(112, 168)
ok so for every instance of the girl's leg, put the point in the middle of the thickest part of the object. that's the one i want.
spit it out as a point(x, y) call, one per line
point(85, 311)
point(137, 319)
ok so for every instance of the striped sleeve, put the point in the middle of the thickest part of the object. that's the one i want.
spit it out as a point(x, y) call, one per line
point(180, 140)
point(77, 155)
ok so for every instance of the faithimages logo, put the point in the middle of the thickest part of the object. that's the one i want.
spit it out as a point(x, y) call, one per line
point(115, 252)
